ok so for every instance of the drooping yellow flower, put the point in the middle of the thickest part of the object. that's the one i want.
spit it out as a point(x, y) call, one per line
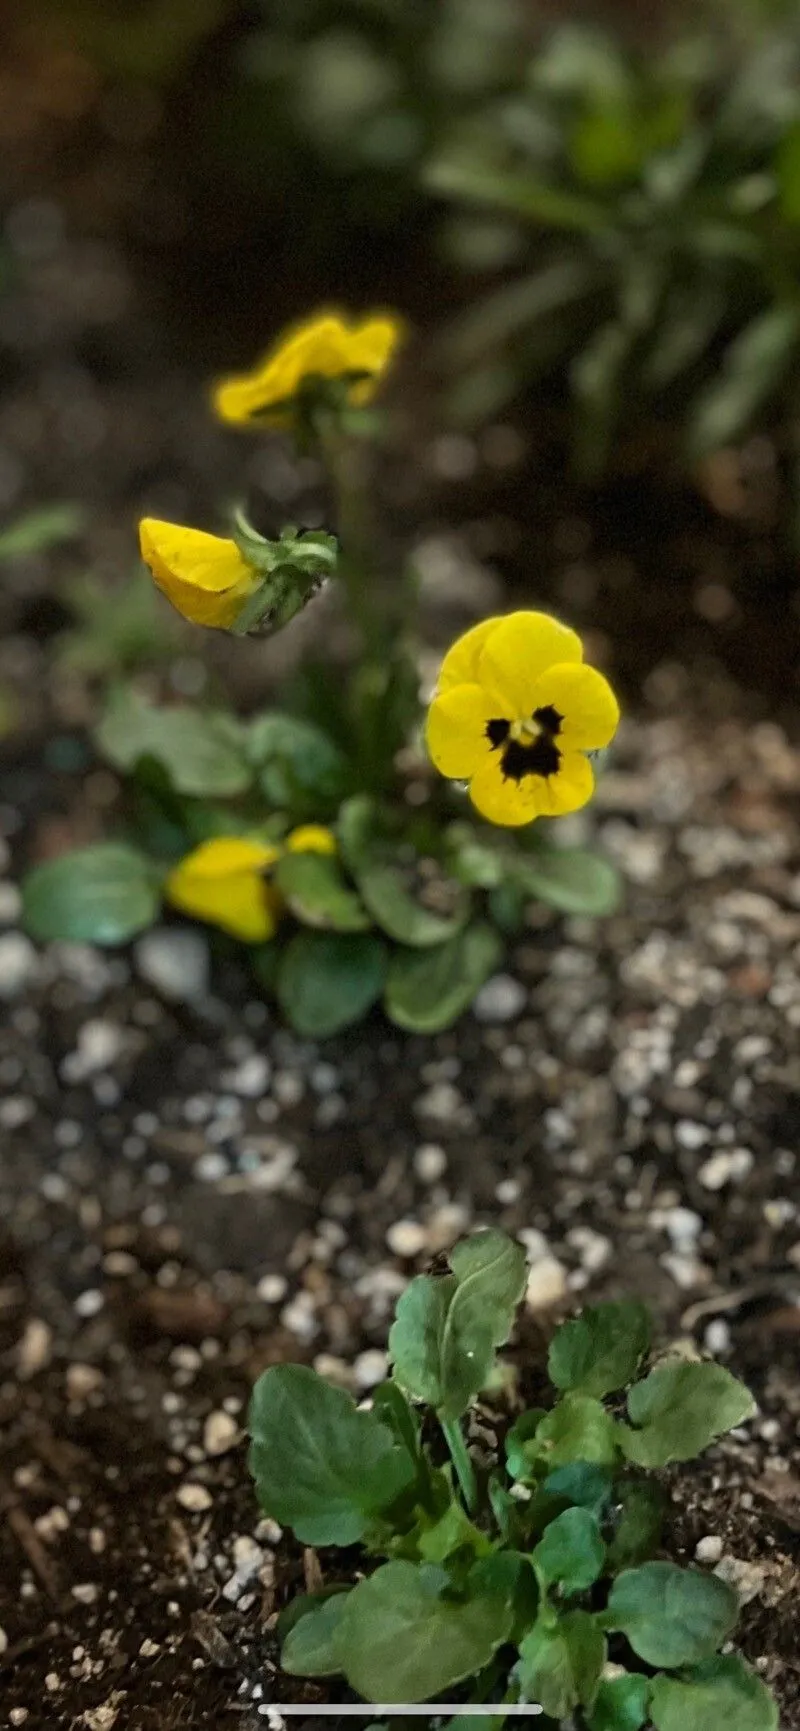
point(324, 347)
point(204, 576)
point(225, 881)
point(514, 714)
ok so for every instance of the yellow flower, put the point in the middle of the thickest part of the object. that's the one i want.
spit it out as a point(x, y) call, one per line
point(514, 713)
point(204, 576)
point(324, 347)
point(225, 881)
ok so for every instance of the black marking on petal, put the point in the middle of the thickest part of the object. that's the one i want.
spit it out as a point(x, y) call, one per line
point(497, 733)
point(539, 757)
point(549, 719)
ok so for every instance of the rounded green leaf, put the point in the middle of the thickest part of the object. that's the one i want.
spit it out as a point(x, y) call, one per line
point(400, 1641)
point(679, 1409)
point(98, 895)
point(577, 1429)
point(560, 1664)
point(320, 1466)
point(428, 990)
point(621, 1704)
point(386, 879)
point(314, 888)
point(301, 767)
point(328, 980)
point(601, 1350)
point(310, 1648)
point(573, 880)
point(570, 1553)
point(639, 1520)
point(202, 754)
point(671, 1616)
point(446, 1329)
point(721, 1691)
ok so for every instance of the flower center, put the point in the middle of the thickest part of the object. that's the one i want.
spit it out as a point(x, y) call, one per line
point(528, 747)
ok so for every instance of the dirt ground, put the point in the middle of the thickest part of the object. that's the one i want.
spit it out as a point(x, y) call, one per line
point(188, 1194)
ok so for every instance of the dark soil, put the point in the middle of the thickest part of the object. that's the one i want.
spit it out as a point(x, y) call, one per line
point(189, 1194)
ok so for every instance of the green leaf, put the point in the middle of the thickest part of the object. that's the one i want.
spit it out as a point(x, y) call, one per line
point(401, 1640)
point(453, 1531)
point(601, 1350)
point(639, 1523)
point(573, 880)
point(671, 1616)
point(201, 753)
point(302, 770)
point(473, 860)
point(720, 1691)
point(571, 1552)
point(310, 1646)
point(328, 980)
point(559, 1665)
point(391, 1407)
point(446, 1329)
point(578, 1429)
point(585, 1485)
point(321, 1467)
point(427, 990)
point(39, 530)
point(755, 365)
point(787, 169)
point(383, 878)
point(679, 1409)
point(621, 1705)
point(522, 1450)
point(314, 888)
point(98, 895)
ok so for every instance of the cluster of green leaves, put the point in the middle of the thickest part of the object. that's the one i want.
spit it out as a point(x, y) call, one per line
point(410, 911)
point(661, 198)
point(507, 1581)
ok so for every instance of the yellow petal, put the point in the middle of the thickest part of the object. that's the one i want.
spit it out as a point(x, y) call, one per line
point(222, 883)
point(311, 838)
point(204, 576)
point(583, 698)
point(505, 801)
point(325, 346)
point(515, 655)
point(460, 665)
point(455, 731)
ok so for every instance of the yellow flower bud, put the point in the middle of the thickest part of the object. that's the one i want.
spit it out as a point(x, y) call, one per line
point(204, 576)
point(323, 347)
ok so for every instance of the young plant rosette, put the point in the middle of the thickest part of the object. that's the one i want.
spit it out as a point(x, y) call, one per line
point(535, 1570)
point(291, 834)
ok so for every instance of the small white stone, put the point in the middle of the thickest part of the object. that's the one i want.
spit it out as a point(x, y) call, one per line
point(547, 1283)
point(690, 1135)
point(82, 1380)
point(3, 1639)
point(500, 1000)
point(709, 1549)
point(19, 964)
point(250, 1078)
point(193, 1497)
point(729, 1164)
point(100, 1043)
point(406, 1238)
point(220, 1433)
point(684, 1227)
point(148, 1648)
point(89, 1303)
point(33, 1350)
point(272, 1288)
point(370, 1367)
point(269, 1531)
point(430, 1162)
point(85, 1592)
point(175, 961)
point(717, 1337)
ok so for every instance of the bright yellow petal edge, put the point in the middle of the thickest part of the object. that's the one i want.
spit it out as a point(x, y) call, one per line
point(204, 576)
point(222, 882)
point(326, 345)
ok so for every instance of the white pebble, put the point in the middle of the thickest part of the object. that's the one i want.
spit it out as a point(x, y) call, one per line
point(195, 1498)
point(725, 1166)
point(709, 1549)
point(175, 961)
point(250, 1078)
point(220, 1433)
point(430, 1162)
point(10, 904)
point(406, 1238)
point(500, 1000)
point(19, 964)
point(547, 1283)
point(370, 1367)
point(3, 1639)
point(717, 1337)
point(272, 1288)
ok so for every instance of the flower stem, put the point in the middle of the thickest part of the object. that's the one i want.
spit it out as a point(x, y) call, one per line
point(459, 1455)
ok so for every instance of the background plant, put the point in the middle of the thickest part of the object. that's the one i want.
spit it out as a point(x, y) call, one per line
point(511, 1579)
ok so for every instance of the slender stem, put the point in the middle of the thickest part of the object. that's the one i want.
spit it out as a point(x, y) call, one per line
point(459, 1455)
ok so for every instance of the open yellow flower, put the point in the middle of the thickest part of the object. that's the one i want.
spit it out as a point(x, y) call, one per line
point(204, 576)
point(323, 347)
point(225, 881)
point(514, 713)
